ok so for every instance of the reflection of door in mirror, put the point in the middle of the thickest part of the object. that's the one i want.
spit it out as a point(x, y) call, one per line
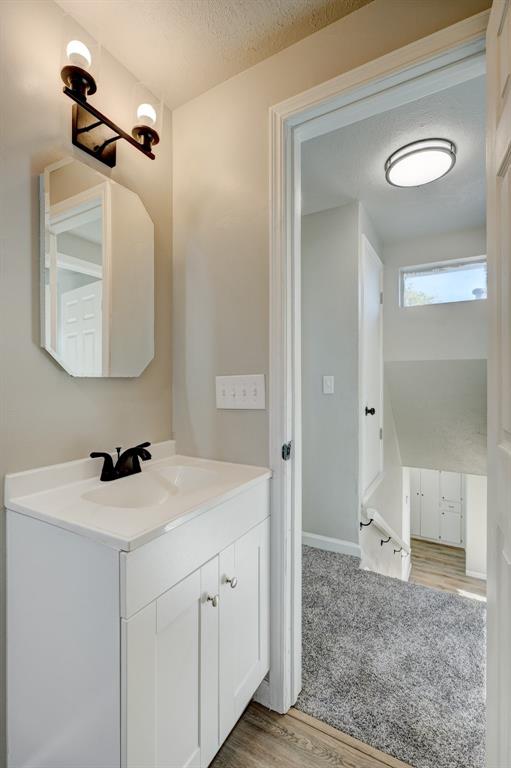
point(74, 315)
point(97, 273)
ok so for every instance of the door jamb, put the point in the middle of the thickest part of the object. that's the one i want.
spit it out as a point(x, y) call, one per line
point(451, 55)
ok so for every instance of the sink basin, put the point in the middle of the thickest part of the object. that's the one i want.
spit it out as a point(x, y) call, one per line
point(186, 479)
point(141, 490)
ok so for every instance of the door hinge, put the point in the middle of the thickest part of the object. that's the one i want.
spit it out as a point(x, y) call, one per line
point(381, 297)
point(381, 433)
point(286, 451)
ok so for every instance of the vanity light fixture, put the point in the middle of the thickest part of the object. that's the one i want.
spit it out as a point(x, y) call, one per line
point(92, 131)
point(420, 162)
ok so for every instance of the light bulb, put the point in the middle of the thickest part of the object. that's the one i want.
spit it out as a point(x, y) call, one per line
point(146, 114)
point(78, 54)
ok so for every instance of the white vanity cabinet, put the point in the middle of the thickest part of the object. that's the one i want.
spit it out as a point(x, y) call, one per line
point(142, 653)
point(193, 658)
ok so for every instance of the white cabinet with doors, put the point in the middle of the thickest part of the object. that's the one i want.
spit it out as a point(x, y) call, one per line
point(437, 505)
point(162, 646)
point(194, 656)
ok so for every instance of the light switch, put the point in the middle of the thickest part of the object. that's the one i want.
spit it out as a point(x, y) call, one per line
point(241, 392)
point(328, 385)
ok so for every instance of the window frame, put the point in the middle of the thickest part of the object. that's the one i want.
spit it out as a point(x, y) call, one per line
point(431, 266)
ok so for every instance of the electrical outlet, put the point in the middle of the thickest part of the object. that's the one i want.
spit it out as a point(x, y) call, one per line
point(241, 392)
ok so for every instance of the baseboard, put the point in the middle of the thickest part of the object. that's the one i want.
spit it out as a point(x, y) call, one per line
point(330, 544)
point(262, 695)
point(476, 575)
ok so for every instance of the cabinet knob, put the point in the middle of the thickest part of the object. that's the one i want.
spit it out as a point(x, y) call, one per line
point(213, 599)
point(232, 580)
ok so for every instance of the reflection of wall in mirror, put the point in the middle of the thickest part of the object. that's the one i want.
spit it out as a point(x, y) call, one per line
point(69, 178)
point(132, 285)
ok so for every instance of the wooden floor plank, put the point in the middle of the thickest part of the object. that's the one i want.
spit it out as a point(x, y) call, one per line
point(350, 741)
point(263, 739)
point(442, 567)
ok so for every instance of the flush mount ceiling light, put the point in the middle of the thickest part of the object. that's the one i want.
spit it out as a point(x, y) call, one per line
point(420, 162)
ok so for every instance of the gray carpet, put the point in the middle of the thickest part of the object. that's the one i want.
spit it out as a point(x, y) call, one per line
point(398, 666)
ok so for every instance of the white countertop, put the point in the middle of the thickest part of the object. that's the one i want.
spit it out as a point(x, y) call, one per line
point(58, 495)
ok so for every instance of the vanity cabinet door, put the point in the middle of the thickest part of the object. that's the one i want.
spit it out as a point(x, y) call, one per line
point(170, 681)
point(244, 622)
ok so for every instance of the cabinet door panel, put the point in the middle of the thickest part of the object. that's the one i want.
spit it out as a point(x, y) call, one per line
point(209, 735)
point(161, 681)
point(244, 626)
point(450, 486)
point(415, 502)
point(177, 676)
point(450, 527)
point(138, 689)
point(430, 512)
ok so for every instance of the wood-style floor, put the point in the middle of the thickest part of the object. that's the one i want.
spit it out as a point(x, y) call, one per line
point(442, 567)
point(264, 739)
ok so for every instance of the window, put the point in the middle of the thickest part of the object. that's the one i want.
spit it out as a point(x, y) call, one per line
point(444, 283)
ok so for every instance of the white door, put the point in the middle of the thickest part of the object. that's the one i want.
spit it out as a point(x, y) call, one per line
point(170, 677)
point(415, 502)
point(371, 369)
point(244, 622)
point(430, 511)
point(81, 329)
point(450, 526)
point(450, 486)
point(499, 384)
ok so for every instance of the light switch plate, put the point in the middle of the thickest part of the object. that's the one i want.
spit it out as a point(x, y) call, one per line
point(328, 385)
point(241, 392)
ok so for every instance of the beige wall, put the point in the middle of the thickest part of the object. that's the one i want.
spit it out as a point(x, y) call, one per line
point(46, 416)
point(221, 214)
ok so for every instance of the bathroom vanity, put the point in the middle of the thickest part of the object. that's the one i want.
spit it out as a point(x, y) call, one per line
point(138, 611)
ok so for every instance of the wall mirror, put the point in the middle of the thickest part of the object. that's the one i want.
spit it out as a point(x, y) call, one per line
point(97, 273)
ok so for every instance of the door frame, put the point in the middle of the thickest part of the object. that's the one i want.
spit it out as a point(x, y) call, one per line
point(443, 59)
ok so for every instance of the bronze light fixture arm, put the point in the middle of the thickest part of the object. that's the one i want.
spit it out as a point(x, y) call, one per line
point(102, 148)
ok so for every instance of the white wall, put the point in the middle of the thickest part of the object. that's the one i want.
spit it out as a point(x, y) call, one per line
point(437, 331)
point(475, 525)
point(440, 413)
point(330, 346)
point(47, 416)
point(221, 221)
point(435, 361)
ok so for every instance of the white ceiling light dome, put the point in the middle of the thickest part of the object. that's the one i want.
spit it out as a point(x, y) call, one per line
point(420, 162)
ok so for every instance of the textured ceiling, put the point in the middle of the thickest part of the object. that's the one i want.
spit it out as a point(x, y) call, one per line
point(347, 165)
point(181, 48)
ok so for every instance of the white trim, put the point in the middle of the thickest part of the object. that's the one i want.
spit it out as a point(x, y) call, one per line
point(440, 541)
point(476, 575)
point(452, 55)
point(409, 570)
point(330, 544)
